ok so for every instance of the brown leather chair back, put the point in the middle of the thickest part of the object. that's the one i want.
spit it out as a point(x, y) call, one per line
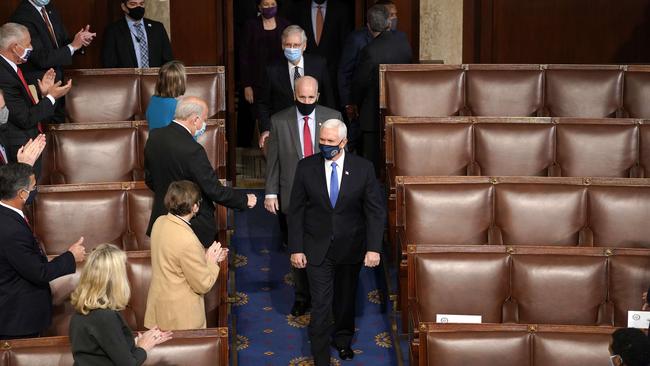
point(571, 348)
point(628, 278)
point(114, 96)
point(583, 92)
point(618, 216)
point(520, 149)
point(637, 93)
point(644, 149)
point(140, 203)
point(495, 92)
point(585, 150)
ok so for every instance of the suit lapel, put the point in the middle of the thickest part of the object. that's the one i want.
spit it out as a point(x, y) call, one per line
point(346, 172)
point(293, 131)
point(14, 74)
point(319, 122)
point(126, 33)
point(321, 177)
point(148, 28)
point(285, 81)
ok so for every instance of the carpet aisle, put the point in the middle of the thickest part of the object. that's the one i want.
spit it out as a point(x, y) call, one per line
point(266, 334)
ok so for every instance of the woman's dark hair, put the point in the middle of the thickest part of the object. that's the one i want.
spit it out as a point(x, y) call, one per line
point(632, 345)
point(181, 196)
point(171, 80)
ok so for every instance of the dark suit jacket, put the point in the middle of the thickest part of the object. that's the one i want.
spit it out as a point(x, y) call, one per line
point(387, 48)
point(24, 116)
point(25, 275)
point(278, 95)
point(46, 54)
point(337, 26)
point(171, 154)
point(353, 227)
point(119, 50)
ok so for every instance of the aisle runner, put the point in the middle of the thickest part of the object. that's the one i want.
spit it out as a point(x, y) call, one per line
point(266, 334)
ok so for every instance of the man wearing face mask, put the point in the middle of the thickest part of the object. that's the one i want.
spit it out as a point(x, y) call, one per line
point(53, 48)
point(172, 154)
point(135, 41)
point(336, 224)
point(293, 136)
point(25, 272)
point(279, 82)
point(26, 109)
point(27, 154)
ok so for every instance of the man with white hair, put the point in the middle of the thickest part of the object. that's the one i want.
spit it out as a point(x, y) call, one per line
point(333, 229)
point(27, 108)
point(172, 153)
point(278, 89)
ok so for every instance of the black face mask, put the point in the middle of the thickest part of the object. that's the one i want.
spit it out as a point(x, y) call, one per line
point(136, 13)
point(305, 109)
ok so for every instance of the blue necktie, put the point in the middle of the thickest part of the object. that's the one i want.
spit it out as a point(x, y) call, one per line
point(334, 185)
point(142, 44)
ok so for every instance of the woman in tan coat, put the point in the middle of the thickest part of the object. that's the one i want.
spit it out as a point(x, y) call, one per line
point(182, 270)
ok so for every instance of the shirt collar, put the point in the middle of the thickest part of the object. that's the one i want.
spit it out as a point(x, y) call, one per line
point(301, 63)
point(314, 5)
point(312, 115)
point(11, 63)
point(38, 8)
point(182, 125)
point(13, 209)
point(131, 22)
point(339, 162)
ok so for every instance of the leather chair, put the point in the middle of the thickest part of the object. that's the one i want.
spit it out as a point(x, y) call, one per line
point(505, 90)
point(618, 216)
point(571, 347)
point(140, 203)
point(637, 92)
point(109, 95)
point(644, 150)
point(628, 279)
point(583, 91)
point(585, 150)
point(520, 149)
point(408, 90)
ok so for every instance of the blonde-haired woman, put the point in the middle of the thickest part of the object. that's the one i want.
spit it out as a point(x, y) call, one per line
point(98, 333)
point(182, 269)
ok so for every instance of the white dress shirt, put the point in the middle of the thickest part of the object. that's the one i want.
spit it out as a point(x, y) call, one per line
point(136, 42)
point(13, 209)
point(339, 171)
point(38, 8)
point(301, 70)
point(314, 12)
point(182, 125)
point(15, 67)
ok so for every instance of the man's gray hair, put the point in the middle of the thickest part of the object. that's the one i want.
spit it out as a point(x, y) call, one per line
point(378, 18)
point(188, 106)
point(11, 33)
point(294, 29)
point(338, 124)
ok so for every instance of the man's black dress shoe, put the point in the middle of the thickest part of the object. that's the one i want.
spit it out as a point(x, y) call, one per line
point(345, 353)
point(299, 308)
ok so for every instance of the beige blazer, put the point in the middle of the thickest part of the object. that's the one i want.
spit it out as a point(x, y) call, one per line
point(180, 277)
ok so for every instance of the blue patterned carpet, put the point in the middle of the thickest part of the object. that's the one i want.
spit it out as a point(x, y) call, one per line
point(266, 334)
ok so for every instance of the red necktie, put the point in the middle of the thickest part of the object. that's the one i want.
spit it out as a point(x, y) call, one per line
point(307, 149)
point(2, 159)
point(319, 23)
point(22, 79)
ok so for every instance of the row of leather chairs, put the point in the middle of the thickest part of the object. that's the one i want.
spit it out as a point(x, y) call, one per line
point(115, 213)
point(512, 345)
point(138, 269)
point(207, 347)
point(113, 151)
point(123, 94)
point(515, 90)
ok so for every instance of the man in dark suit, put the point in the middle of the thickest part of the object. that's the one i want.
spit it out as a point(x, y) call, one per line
point(26, 109)
point(53, 48)
point(327, 23)
point(135, 41)
point(386, 48)
point(172, 153)
point(25, 272)
point(27, 154)
point(286, 146)
point(336, 223)
point(278, 90)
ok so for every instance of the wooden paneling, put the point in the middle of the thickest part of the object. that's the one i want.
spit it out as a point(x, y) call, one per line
point(198, 31)
point(556, 31)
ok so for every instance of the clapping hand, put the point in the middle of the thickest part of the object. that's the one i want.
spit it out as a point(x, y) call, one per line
point(29, 153)
point(152, 338)
point(46, 82)
point(83, 38)
point(215, 253)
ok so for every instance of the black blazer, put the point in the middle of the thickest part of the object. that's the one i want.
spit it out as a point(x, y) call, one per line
point(119, 50)
point(103, 338)
point(353, 227)
point(46, 54)
point(24, 116)
point(278, 95)
point(387, 48)
point(171, 154)
point(25, 275)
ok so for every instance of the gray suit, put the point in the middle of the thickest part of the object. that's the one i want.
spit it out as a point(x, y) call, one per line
point(284, 150)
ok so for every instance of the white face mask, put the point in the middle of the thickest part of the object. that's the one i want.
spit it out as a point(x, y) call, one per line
point(25, 55)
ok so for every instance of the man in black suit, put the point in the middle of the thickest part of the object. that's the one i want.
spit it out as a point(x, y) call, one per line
point(53, 48)
point(336, 222)
point(278, 90)
point(386, 48)
point(26, 109)
point(27, 154)
point(25, 272)
point(135, 41)
point(172, 153)
point(327, 23)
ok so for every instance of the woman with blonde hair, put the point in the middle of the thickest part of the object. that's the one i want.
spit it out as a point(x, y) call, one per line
point(98, 333)
point(182, 269)
point(171, 84)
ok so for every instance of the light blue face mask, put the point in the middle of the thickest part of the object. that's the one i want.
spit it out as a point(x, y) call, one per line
point(293, 54)
point(41, 2)
point(200, 131)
